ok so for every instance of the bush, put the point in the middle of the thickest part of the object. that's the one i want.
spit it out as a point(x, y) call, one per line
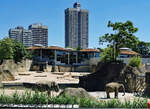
point(107, 55)
point(135, 61)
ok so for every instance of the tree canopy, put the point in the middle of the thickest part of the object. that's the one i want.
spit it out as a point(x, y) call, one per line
point(107, 55)
point(123, 36)
point(12, 49)
point(143, 48)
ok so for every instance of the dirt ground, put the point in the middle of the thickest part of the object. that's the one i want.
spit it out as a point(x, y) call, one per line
point(59, 77)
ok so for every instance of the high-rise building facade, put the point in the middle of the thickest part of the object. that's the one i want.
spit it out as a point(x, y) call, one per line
point(27, 38)
point(21, 35)
point(39, 34)
point(76, 27)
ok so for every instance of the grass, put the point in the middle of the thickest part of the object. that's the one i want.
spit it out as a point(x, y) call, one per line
point(43, 98)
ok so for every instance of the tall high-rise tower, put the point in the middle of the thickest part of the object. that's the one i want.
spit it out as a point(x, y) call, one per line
point(76, 27)
point(21, 35)
point(39, 34)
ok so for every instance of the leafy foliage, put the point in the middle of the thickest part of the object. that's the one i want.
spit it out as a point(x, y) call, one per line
point(135, 61)
point(143, 48)
point(107, 55)
point(6, 49)
point(19, 51)
point(123, 36)
point(12, 49)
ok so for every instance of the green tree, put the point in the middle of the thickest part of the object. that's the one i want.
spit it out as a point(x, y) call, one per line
point(12, 49)
point(19, 51)
point(123, 36)
point(143, 48)
point(107, 55)
point(6, 49)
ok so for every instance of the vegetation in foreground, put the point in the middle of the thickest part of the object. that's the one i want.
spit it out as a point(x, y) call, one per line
point(43, 98)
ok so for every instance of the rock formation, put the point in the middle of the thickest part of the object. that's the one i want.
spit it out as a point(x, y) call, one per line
point(110, 72)
point(8, 69)
point(76, 92)
point(6, 75)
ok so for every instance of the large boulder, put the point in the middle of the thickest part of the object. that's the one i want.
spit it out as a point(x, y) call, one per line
point(77, 92)
point(104, 74)
point(128, 78)
point(8, 65)
point(110, 72)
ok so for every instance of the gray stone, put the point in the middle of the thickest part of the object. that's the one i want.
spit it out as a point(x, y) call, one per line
point(76, 92)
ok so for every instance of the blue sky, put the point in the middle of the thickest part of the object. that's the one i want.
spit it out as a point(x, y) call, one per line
point(51, 13)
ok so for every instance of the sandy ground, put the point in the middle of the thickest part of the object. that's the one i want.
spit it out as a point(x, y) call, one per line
point(59, 77)
point(102, 96)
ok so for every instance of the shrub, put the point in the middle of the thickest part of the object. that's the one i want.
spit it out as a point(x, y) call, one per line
point(107, 55)
point(135, 61)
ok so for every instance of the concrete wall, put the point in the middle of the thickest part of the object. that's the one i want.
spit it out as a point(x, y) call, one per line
point(94, 61)
point(82, 69)
point(71, 69)
point(144, 60)
point(65, 68)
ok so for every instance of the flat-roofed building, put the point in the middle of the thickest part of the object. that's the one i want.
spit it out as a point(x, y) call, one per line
point(21, 35)
point(39, 34)
point(27, 38)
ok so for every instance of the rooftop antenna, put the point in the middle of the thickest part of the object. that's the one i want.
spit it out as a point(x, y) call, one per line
point(77, 4)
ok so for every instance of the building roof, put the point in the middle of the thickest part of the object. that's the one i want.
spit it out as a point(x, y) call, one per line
point(35, 48)
point(125, 48)
point(90, 50)
point(50, 47)
point(56, 48)
point(62, 49)
point(128, 52)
